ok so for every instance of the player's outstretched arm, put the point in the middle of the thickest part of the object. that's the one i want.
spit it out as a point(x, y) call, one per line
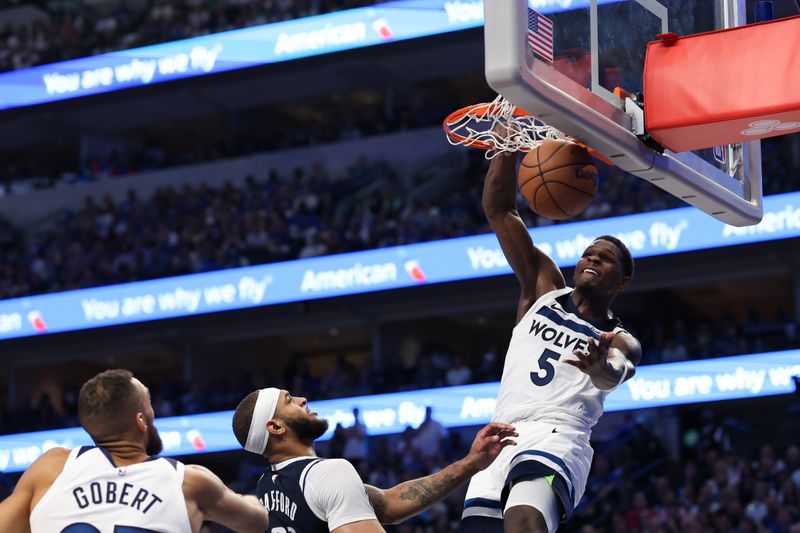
point(536, 272)
point(220, 504)
point(610, 361)
point(15, 510)
point(412, 497)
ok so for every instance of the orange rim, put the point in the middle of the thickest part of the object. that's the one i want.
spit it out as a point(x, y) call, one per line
point(458, 114)
point(484, 109)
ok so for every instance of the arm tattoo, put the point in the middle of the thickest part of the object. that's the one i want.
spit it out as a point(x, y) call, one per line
point(428, 491)
point(412, 497)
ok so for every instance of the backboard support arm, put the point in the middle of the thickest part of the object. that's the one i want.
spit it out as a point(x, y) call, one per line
point(595, 121)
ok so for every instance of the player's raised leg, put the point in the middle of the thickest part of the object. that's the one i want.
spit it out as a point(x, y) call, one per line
point(532, 507)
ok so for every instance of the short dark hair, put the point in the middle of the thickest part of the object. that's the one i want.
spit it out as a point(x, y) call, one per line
point(243, 417)
point(626, 261)
point(106, 403)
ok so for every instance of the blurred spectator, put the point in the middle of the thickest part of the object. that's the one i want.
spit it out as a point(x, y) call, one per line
point(490, 367)
point(674, 352)
point(338, 441)
point(78, 29)
point(429, 435)
point(339, 381)
point(459, 374)
point(355, 445)
point(343, 379)
point(198, 228)
point(425, 376)
point(713, 434)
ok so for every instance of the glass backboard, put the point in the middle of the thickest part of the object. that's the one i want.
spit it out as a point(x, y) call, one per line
point(566, 61)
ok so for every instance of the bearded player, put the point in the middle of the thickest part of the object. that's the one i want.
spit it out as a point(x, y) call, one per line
point(121, 484)
point(307, 494)
point(567, 352)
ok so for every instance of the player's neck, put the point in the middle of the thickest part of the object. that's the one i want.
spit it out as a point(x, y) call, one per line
point(592, 305)
point(125, 453)
point(292, 451)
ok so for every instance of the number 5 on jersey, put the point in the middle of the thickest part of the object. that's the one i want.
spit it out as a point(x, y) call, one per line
point(544, 364)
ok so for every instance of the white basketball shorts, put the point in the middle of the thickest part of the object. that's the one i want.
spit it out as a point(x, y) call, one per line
point(559, 453)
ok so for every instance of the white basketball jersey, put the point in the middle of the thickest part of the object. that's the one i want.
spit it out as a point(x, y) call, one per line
point(91, 495)
point(536, 384)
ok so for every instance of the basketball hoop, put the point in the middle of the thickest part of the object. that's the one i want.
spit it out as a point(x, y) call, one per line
point(497, 127)
point(501, 127)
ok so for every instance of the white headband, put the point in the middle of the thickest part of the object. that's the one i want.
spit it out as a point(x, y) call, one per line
point(263, 412)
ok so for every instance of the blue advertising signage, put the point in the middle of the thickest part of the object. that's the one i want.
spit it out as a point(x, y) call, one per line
point(745, 376)
point(236, 49)
point(258, 45)
point(647, 234)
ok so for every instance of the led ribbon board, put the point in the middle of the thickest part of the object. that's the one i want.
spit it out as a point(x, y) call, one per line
point(728, 378)
point(249, 47)
point(647, 234)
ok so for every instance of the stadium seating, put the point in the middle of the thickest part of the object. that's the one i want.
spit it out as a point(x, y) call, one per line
point(88, 29)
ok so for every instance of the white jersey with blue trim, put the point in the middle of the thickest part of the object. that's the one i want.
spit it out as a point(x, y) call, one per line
point(91, 495)
point(536, 384)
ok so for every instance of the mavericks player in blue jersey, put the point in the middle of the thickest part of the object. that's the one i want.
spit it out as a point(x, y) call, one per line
point(567, 352)
point(121, 485)
point(307, 494)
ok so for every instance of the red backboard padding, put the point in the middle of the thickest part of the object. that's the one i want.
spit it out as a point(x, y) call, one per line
point(723, 87)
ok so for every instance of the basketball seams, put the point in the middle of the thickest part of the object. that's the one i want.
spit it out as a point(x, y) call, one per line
point(567, 165)
point(562, 194)
point(535, 194)
point(534, 197)
point(553, 198)
point(532, 175)
point(592, 194)
point(535, 173)
point(562, 144)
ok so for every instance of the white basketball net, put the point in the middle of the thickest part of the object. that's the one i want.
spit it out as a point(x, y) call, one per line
point(496, 125)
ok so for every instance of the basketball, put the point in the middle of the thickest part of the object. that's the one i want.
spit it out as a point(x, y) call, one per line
point(558, 179)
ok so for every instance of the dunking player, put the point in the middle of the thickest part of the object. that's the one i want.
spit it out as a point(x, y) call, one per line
point(552, 400)
point(306, 494)
point(121, 485)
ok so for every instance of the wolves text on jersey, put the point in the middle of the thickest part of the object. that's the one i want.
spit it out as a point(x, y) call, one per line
point(560, 339)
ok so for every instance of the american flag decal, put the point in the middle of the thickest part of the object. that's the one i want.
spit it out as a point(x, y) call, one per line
point(540, 35)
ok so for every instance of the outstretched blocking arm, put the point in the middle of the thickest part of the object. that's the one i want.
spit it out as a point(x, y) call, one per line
point(220, 504)
point(412, 497)
point(611, 361)
point(536, 272)
point(15, 510)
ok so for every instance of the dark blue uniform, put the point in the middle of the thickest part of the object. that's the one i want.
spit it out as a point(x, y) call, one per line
point(281, 492)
